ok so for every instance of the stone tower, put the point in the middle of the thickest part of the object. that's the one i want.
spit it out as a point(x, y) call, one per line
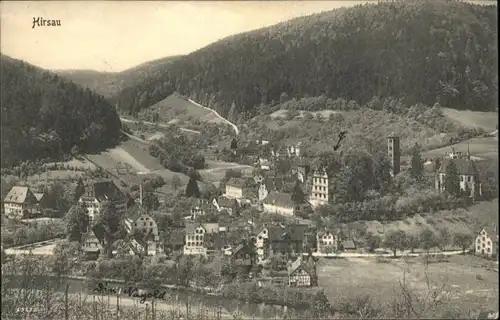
point(394, 153)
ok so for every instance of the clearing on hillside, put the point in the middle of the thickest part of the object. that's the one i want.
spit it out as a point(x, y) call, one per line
point(473, 119)
point(181, 111)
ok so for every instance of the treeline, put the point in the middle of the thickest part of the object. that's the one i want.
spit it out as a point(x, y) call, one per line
point(422, 51)
point(44, 116)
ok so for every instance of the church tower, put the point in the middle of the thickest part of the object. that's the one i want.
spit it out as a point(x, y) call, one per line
point(394, 153)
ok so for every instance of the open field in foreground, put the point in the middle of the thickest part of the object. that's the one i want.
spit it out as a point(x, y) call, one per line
point(473, 119)
point(343, 278)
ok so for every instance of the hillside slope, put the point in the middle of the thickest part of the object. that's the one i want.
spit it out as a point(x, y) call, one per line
point(109, 84)
point(423, 51)
point(44, 116)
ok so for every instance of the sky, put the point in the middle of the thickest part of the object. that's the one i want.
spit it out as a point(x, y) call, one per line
point(117, 35)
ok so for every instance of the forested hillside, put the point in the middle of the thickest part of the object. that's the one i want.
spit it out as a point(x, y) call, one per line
point(109, 84)
point(422, 51)
point(44, 116)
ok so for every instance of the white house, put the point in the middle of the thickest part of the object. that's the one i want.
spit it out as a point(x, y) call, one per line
point(235, 188)
point(486, 242)
point(195, 239)
point(326, 240)
point(19, 203)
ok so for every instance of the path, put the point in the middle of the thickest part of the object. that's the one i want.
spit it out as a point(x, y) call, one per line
point(157, 124)
point(218, 115)
point(373, 255)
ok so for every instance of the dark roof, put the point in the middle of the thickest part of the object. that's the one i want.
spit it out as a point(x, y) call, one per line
point(279, 199)
point(20, 195)
point(237, 182)
point(464, 166)
point(226, 203)
point(104, 190)
point(99, 231)
point(293, 232)
point(191, 226)
point(492, 233)
point(323, 232)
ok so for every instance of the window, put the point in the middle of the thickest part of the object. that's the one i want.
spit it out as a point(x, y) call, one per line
point(150, 224)
point(461, 178)
point(478, 248)
point(488, 250)
point(489, 242)
point(484, 238)
point(469, 178)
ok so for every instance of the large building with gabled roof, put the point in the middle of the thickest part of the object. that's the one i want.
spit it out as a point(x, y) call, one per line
point(19, 203)
point(467, 172)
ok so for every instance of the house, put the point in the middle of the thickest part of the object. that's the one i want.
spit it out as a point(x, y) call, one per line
point(20, 203)
point(320, 188)
point(230, 205)
point(194, 243)
point(97, 193)
point(200, 209)
point(280, 203)
point(235, 188)
point(486, 242)
point(143, 244)
point(302, 274)
point(294, 150)
point(263, 191)
point(283, 239)
point(242, 255)
point(264, 164)
point(467, 171)
point(327, 242)
point(93, 240)
point(42, 202)
point(143, 231)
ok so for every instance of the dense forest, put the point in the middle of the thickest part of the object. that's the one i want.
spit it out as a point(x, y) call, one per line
point(420, 51)
point(109, 84)
point(44, 116)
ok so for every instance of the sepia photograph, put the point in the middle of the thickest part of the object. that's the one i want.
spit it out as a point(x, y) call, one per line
point(209, 160)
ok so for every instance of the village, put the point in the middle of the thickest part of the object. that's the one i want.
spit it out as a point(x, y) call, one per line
point(292, 243)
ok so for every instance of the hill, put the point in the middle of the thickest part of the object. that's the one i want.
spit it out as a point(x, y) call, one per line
point(109, 84)
point(44, 116)
point(422, 51)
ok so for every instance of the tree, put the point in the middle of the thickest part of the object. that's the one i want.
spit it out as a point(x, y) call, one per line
point(64, 257)
point(348, 188)
point(77, 223)
point(109, 220)
point(321, 306)
point(428, 240)
point(80, 189)
point(373, 241)
point(396, 240)
point(417, 165)
point(444, 238)
point(176, 182)
point(382, 172)
point(234, 144)
point(150, 201)
point(298, 195)
point(192, 189)
point(452, 180)
point(413, 243)
point(462, 240)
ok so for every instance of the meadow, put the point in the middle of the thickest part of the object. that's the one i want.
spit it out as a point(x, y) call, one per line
point(175, 109)
point(473, 119)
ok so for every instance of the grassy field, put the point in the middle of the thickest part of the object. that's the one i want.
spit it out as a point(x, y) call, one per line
point(473, 119)
point(342, 278)
point(482, 147)
point(461, 220)
point(181, 111)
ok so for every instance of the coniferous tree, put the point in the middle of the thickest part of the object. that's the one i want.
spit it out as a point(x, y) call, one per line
point(452, 180)
point(234, 144)
point(298, 195)
point(382, 172)
point(348, 188)
point(76, 223)
point(80, 189)
point(417, 165)
point(192, 189)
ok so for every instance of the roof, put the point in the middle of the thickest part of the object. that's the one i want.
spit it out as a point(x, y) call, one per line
point(323, 232)
point(392, 135)
point(279, 199)
point(491, 232)
point(38, 195)
point(211, 227)
point(237, 182)
point(293, 232)
point(19, 195)
point(299, 263)
point(464, 166)
point(348, 244)
point(192, 226)
point(227, 203)
point(134, 213)
point(104, 190)
point(99, 232)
